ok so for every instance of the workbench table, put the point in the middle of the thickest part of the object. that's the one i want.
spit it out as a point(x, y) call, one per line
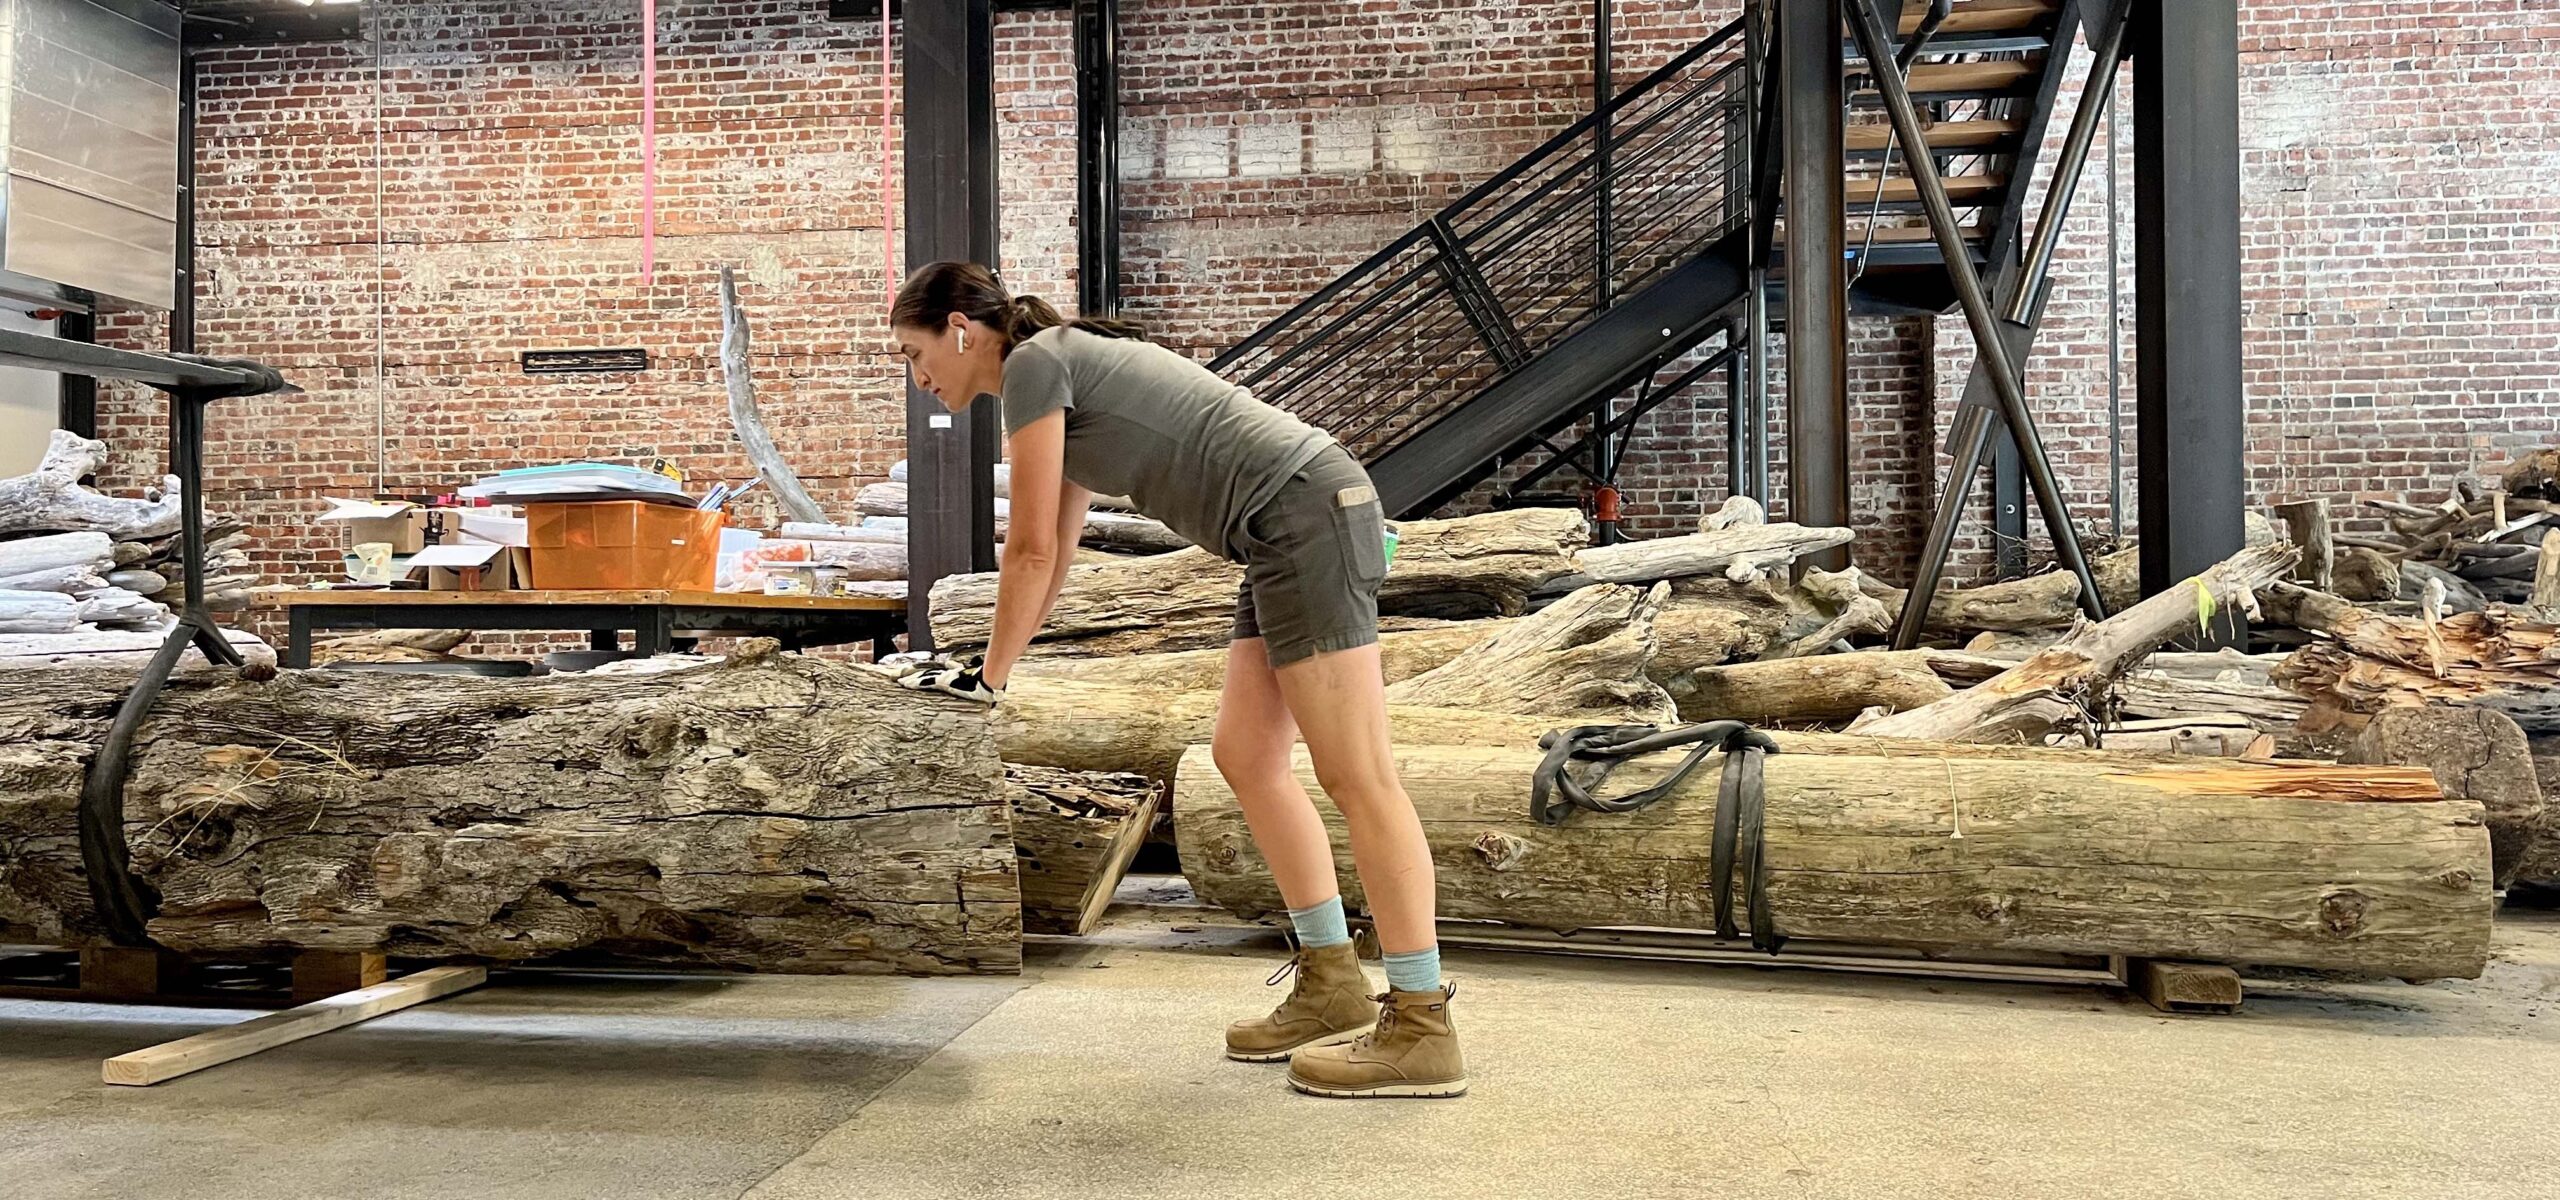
point(658, 620)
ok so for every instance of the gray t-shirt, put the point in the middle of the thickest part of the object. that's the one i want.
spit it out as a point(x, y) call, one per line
point(1188, 448)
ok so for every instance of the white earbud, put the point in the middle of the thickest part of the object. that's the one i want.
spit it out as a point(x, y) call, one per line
point(964, 340)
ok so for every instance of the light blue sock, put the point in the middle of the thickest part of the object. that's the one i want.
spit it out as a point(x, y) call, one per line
point(1415, 970)
point(1321, 925)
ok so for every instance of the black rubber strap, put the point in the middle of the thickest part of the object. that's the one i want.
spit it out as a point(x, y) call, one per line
point(1555, 790)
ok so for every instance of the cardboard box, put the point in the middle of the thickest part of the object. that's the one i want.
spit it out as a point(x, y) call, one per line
point(474, 567)
point(405, 527)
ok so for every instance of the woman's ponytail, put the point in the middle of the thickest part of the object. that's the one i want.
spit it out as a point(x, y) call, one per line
point(937, 290)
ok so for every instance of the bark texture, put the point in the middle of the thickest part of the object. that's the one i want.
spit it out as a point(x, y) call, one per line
point(770, 813)
point(1585, 658)
point(2368, 661)
point(2363, 868)
point(1467, 567)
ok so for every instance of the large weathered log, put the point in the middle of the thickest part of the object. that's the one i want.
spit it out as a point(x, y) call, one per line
point(2162, 695)
point(2369, 661)
point(769, 813)
point(2069, 679)
point(2047, 601)
point(1075, 833)
point(2084, 852)
point(1743, 553)
point(2541, 864)
point(51, 499)
point(1820, 688)
point(2475, 754)
point(1466, 567)
point(1584, 659)
point(26, 556)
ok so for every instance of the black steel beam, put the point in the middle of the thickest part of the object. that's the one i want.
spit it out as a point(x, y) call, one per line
point(269, 23)
point(1608, 356)
point(869, 10)
point(1097, 36)
point(79, 392)
point(2186, 180)
point(182, 310)
point(1808, 38)
point(1604, 274)
point(951, 213)
point(38, 352)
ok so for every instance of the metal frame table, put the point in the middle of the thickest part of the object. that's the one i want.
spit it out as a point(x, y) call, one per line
point(660, 621)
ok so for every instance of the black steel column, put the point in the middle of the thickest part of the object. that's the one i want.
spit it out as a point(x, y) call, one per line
point(1604, 275)
point(951, 213)
point(79, 392)
point(1809, 70)
point(1097, 157)
point(2186, 98)
point(182, 309)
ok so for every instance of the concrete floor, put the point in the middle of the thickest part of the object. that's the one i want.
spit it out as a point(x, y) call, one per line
point(1096, 1075)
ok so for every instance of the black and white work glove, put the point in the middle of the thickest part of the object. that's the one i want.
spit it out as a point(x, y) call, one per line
point(969, 682)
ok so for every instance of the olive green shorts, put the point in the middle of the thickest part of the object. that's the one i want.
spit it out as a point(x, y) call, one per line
point(1314, 556)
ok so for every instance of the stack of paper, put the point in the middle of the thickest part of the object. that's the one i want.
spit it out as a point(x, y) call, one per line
point(574, 477)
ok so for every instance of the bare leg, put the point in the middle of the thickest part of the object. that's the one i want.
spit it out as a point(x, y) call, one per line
point(1340, 704)
point(1251, 747)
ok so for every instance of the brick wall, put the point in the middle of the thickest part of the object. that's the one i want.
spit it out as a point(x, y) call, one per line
point(2402, 325)
point(392, 221)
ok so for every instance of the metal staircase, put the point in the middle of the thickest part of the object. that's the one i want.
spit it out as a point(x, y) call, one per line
point(1626, 242)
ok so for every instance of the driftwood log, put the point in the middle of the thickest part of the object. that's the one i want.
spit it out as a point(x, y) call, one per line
point(2070, 679)
point(1584, 659)
point(770, 813)
point(2047, 601)
point(748, 419)
point(51, 499)
point(2475, 755)
point(1467, 567)
point(1950, 848)
point(2541, 865)
point(1075, 833)
point(1821, 688)
point(114, 648)
point(1745, 553)
point(2367, 661)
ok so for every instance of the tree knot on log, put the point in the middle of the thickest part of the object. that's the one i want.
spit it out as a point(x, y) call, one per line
point(1500, 851)
point(1993, 909)
point(2343, 913)
point(751, 651)
point(661, 738)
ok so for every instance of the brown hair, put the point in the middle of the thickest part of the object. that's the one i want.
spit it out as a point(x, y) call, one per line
point(938, 289)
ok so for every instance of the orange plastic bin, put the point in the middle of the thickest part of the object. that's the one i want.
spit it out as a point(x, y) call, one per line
point(623, 544)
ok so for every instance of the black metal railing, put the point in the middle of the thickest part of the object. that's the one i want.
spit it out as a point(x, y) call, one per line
point(1517, 265)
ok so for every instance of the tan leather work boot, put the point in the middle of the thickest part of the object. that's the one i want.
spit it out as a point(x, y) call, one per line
point(1412, 1052)
point(1329, 1003)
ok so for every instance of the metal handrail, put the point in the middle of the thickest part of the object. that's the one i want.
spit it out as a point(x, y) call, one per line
point(1509, 269)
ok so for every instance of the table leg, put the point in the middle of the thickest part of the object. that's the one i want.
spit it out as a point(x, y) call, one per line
point(297, 645)
point(604, 639)
point(653, 631)
point(883, 646)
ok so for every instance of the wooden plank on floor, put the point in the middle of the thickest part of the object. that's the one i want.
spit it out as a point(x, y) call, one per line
point(2182, 987)
point(142, 1068)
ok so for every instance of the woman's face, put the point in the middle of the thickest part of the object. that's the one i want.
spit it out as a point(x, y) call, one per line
point(957, 362)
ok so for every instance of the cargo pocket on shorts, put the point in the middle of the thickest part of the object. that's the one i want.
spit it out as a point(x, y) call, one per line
point(1360, 532)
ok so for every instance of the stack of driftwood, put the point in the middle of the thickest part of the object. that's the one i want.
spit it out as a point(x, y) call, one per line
point(2474, 548)
point(74, 562)
point(2031, 782)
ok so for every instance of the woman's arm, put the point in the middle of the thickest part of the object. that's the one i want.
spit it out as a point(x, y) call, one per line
point(1073, 501)
point(1035, 553)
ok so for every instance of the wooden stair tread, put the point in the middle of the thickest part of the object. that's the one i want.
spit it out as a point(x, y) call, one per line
point(1899, 189)
point(1941, 135)
point(1891, 235)
point(1982, 16)
point(2005, 75)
